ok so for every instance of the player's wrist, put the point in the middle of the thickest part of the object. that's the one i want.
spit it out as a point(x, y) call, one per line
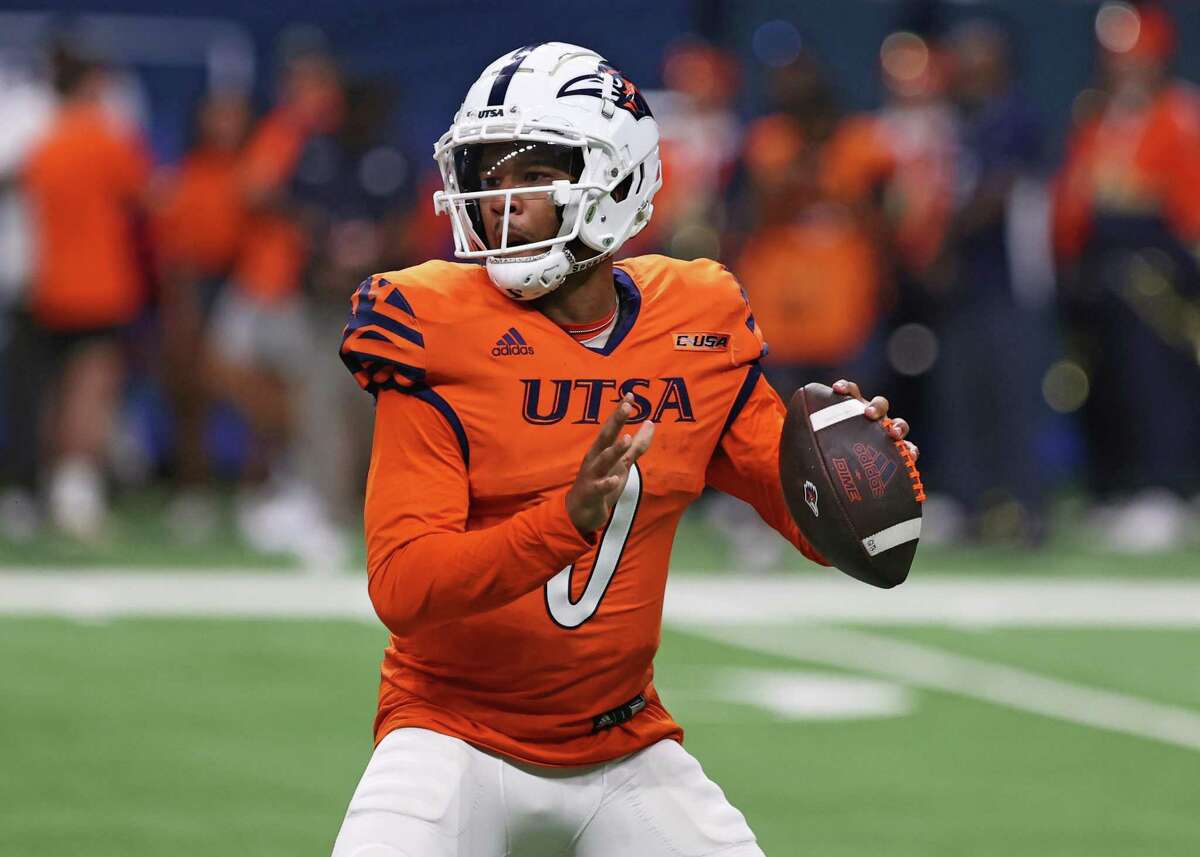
point(582, 517)
point(577, 514)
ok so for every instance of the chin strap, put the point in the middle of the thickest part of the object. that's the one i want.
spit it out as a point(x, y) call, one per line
point(523, 278)
point(576, 266)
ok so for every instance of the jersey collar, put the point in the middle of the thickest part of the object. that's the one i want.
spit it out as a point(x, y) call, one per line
point(629, 298)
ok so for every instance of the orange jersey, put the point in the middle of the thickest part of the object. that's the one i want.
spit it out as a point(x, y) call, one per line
point(815, 283)
point(202, 222)
point(511, 630)
point(274, 249)
point(84, 182)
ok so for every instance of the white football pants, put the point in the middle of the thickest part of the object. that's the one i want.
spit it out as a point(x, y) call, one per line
point(428, 795)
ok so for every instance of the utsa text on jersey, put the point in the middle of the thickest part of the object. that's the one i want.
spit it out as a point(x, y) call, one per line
point(669, 394)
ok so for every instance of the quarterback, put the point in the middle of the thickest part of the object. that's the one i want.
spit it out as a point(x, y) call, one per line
point(542, 422)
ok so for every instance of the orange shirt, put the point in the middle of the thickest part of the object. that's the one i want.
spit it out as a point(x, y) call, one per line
point(857, 159)
point(275, 250)
point(83, 182)
point(510, 630)
point(1143, 163)
point(202, 223)
point(815, 284)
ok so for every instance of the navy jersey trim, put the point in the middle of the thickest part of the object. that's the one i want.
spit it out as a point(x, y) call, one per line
point(630, 301)
point(425, 394)
point(394, 298)
point(360, 361)
point(397, 300)
point(751, 381)
point(504, 78)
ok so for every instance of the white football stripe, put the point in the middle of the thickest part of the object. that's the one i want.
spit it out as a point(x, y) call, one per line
point(897, 534)
point(826, 417)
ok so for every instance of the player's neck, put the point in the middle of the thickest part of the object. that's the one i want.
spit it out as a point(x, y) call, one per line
point(583, 298)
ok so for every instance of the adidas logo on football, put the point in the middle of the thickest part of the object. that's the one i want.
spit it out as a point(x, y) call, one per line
point(511, 344)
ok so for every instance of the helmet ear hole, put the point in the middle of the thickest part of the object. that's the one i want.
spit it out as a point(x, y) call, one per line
point(622, 190)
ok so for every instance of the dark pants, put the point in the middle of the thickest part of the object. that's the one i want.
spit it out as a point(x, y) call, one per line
point(1143, 416)
point(27, 374)
point(990, 412)
point(32, 364)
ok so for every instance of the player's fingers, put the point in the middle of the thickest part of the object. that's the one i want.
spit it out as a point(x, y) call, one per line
point(614, 482)
point(898, 428)
point(847, 388)
point(613, 425)
point(914, 449)
point(877, 408)
point(612, 485)
point(641, 442)
point(603, 461)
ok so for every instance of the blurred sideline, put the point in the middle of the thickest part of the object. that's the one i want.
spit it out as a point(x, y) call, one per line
point(975, 601)
point(987, 211)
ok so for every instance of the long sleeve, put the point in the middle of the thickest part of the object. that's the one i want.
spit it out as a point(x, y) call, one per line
point(424, 568)
point(746, 461)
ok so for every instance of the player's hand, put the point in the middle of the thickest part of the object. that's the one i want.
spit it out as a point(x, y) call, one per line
point(605, 469)
point(877, 409)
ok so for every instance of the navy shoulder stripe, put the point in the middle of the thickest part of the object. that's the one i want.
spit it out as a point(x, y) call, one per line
point(425, 394)
point(397, 300)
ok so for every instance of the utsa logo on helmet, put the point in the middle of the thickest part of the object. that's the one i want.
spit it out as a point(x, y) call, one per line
point(626, 95)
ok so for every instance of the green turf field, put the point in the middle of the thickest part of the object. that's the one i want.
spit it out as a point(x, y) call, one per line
point(971, 736)
point(202, 737)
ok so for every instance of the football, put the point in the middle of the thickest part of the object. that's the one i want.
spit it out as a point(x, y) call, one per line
point(853, 489)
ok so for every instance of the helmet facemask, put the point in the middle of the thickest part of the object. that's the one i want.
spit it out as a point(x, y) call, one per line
point(506, 175)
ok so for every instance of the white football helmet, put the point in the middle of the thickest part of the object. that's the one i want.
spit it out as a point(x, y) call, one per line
point(576, 108)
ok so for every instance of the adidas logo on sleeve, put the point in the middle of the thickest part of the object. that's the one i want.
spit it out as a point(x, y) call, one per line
point(511, 344)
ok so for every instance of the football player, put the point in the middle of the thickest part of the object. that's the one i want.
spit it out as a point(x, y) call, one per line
point(542, 423)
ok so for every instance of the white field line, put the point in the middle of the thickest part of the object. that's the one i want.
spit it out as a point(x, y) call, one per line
point(969, 601)
point(732, 601)
point(786, 694)
point(95, 596)
point(931, 668)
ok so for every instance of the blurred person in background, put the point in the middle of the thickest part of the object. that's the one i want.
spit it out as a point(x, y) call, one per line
point(27, 105)
point(992, 313)
point(419, 233)
point(199, 231)
point(897, 164)
point(896, 167)
point(700, 144)
point(1127, 231)
point(806, 262)
point(86, 182)
point(260, 329)
point(349, 190)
